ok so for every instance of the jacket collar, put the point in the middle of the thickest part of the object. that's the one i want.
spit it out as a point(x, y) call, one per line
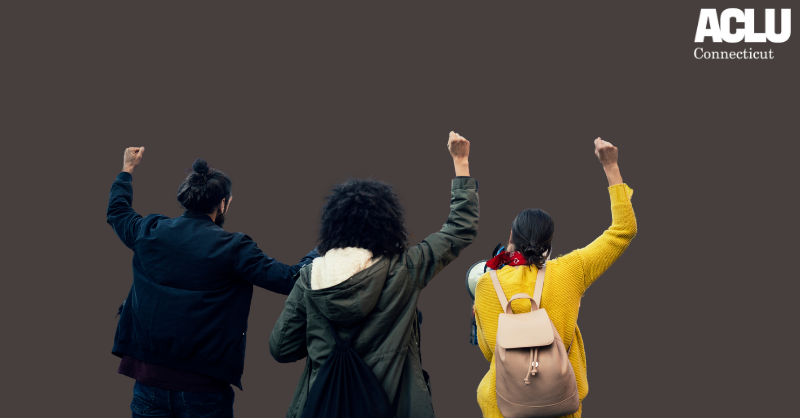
point(196, 215)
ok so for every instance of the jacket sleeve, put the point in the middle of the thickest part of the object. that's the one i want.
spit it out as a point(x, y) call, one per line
point(120, 215)
point(287, 343)
point(253, 266)
point(426, 259)
point(598, 256)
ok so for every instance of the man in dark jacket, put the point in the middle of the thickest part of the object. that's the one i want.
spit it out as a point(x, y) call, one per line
point(182, 328)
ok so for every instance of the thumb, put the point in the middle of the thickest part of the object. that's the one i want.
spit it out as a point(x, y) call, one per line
point(141, 151)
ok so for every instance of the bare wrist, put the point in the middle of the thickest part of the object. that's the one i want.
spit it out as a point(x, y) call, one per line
point(610, 167)
point(612, 174)
point(462, 167)
point(128, 169)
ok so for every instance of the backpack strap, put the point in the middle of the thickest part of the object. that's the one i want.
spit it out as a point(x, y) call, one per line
point(497, 288)
point(537, 291)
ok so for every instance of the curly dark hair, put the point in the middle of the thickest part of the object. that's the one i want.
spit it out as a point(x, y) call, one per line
point(363, 214)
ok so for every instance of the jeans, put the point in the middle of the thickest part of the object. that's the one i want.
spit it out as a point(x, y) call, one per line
point(149, 401)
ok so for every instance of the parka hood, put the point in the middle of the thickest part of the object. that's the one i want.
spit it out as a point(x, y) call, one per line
point(346, 284)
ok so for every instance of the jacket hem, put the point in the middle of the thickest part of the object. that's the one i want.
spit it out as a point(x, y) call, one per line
point(220, 371)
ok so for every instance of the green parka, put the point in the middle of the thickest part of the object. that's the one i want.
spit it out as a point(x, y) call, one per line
point(384, 296)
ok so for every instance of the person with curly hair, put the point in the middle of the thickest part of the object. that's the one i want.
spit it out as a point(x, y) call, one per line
point(566, 278)
point(368, 277)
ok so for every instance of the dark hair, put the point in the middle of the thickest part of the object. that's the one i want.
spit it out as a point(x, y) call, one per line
point(532, 235)
point(204, 188)
point(363, 214)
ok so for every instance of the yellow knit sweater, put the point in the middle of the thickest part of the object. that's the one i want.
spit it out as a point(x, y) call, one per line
point(566, 278)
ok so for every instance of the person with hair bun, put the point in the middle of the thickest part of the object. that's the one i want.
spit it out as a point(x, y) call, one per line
point(566, 277)
point(182, 329)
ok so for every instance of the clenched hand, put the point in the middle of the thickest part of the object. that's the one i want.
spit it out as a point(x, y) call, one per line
point(132, 158)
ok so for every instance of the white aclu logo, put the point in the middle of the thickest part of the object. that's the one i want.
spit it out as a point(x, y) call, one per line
point(722, 29)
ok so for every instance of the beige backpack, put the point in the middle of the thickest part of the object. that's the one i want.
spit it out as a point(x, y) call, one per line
point(534, 375)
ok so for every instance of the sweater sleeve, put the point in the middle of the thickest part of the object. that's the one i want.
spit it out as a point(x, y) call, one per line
point(482, 342)
point(598, 256)
point(487, 308)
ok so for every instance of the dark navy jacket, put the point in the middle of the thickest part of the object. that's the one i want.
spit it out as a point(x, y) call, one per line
point(192, 287)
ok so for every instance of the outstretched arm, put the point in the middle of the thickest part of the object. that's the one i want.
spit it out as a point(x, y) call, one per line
point(598, 256)
point(120, 215)
point(436, 251)
point(253, 266)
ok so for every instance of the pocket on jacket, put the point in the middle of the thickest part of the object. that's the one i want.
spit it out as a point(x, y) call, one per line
point(143, 398)
point(202, 405)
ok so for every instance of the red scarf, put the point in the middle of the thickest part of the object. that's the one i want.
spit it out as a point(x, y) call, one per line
point(506, 258)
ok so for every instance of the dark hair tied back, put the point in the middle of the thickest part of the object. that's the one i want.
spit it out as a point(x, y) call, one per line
point(532, 235)
point(200, 166)
point(204, 188)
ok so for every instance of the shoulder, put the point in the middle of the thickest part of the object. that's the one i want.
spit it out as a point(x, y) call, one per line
point(238, 240)
point(154, 218)
point(485, 287)
point(564, 262)
point(483, 282)
point(486, 299)
point(565, 272)
point(304, 277)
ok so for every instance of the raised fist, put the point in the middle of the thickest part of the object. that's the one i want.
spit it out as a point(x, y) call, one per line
point(605, 152)
point(458, 147)
point(132, 158)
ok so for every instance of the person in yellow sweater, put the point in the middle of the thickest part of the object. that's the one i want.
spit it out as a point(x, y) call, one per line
point(566, 278)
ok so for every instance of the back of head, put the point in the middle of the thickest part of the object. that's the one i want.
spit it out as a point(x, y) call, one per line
point(204, 188)
point(532, 235)
point(363, 214)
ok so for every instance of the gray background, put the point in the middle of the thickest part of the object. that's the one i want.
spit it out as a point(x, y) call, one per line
point(290, 100)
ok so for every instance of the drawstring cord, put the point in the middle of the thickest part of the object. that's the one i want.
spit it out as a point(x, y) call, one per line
point(534, 364)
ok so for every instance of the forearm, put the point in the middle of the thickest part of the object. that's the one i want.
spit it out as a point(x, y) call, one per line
point(119, 214)
point(430, 256)
point(598, 256)
point(277, 277)
point(121, 195)
point(612, 174)
point(462, 167)
point(308, 258)
point(255, 267)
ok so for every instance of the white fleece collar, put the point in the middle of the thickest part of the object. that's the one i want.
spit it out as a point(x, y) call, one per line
point(338, 265)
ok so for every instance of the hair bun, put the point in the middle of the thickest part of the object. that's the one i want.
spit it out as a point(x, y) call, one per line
point(200, 166)
point(534, 250)
point(534, 254)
